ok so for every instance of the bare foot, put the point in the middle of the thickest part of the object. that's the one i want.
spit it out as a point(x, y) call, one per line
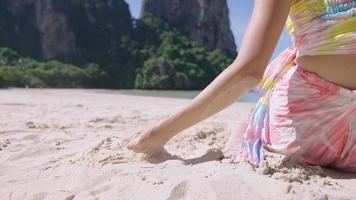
point(149, 142)
point(232, 146)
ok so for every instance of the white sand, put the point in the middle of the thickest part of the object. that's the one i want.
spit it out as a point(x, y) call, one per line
point(71, 144)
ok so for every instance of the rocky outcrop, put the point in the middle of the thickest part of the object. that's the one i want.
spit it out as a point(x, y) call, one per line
point(57, 38)
point(204, 21)
point(70, 30)
point(18, 27)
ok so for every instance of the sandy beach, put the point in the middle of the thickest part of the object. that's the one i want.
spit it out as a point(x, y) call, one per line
point(71, 144)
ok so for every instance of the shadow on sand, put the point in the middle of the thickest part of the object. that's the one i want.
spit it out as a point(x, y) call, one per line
point(216, 155)
point(210, 155)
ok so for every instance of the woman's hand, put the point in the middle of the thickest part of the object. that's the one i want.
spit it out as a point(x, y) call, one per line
point(150, 142)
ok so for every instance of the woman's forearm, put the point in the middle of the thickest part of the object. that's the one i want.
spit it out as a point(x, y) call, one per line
point(260, 39)
point(224, 90)
point(259, 42)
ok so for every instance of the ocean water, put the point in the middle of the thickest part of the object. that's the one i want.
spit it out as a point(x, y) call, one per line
point(251, 96)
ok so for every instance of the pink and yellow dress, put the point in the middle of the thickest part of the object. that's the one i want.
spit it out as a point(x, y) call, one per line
point(299, 113)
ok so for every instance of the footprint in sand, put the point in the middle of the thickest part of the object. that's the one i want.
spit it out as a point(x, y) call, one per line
point(33, 125)
point(179, 191)
point(4, 144)
point(39, 196)
point(71, 197)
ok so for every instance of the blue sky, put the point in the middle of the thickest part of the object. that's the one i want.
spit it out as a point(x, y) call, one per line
point(239, 11)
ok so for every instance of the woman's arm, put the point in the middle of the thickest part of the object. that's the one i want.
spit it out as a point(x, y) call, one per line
point(264, 29)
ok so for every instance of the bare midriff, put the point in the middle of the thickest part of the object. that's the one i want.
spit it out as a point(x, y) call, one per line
point(339, 69)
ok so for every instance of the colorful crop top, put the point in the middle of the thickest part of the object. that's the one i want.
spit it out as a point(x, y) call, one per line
point(317, 27)
point(320, 27)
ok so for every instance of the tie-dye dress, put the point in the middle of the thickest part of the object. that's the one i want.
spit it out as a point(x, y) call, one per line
point(299, 113)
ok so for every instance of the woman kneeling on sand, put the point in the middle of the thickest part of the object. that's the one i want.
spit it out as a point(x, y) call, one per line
point(308, 103)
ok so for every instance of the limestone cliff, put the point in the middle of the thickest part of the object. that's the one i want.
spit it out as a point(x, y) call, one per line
point(204, 21)
point(70, 30)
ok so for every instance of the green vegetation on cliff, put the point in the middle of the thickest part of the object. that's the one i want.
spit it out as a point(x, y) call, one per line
point(171, 60)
